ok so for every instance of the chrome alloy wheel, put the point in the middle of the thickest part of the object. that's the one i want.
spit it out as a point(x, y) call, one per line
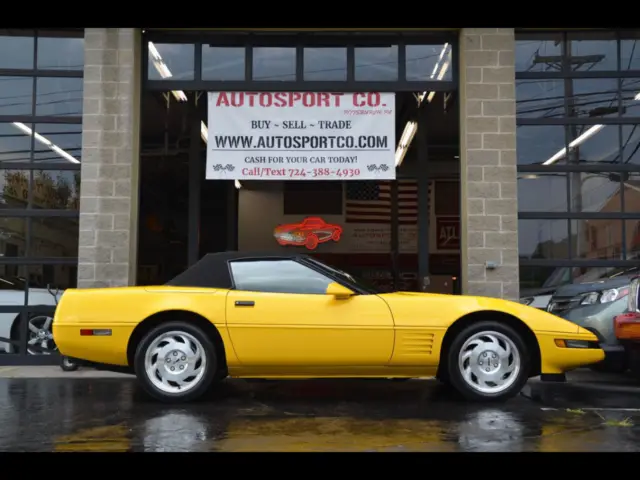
point(175, 362)
point(40, 340)
point(489, 362)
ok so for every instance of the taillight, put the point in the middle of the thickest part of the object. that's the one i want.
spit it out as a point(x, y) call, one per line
point(627, 326)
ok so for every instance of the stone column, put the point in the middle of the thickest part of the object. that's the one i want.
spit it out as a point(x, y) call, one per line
point(110, 158)
point(489, 217)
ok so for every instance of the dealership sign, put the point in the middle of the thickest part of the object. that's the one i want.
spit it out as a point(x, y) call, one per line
point(301, 136)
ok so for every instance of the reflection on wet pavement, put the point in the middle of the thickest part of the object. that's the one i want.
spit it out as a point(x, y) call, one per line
point(300, 416)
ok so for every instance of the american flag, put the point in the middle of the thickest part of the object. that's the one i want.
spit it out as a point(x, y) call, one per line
point(370, 201)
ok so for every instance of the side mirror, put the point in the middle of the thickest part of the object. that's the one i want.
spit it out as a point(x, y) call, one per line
point(339, 291)
point(634, 293)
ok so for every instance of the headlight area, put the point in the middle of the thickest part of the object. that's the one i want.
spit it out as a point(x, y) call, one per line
point(605, 296)
point(527, 300)
point(564, 343)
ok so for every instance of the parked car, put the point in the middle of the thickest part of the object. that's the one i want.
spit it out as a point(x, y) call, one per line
point(593, 306)
point(277, 315)
point(540, 297)
point(39, 332)
point(627, 327)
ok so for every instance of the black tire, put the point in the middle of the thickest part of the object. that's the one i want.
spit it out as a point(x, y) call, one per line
point(633, 354)
point(68, 365)
point(211, 367)
point(454, 376)
point(611, 365)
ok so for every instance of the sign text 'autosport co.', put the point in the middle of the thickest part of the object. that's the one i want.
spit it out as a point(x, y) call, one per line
point(301, 136)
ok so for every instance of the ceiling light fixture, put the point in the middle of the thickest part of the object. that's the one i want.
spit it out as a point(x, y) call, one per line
point(45, 141)
point(410, 129)
point(164, 72)
point(405, 141)
point(581, 139)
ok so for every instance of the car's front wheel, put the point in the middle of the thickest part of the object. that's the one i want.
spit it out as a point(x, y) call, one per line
point(175, 362)
point(488, 361)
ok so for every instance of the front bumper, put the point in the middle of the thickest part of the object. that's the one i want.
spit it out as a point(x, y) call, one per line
point(598, 319)
point(557, 360)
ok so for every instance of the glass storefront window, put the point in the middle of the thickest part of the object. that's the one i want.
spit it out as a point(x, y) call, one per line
point(57, 143)
point(428, 62)
point(60, 97)
point(533, 49)
point(594, 144)
point(592, 97)
point(597, 239)
point(325, 64)
point(171, 61)
point(540, 98)
point(16, 49)
point(632, 236)
point(223, 63)
point(274, 64)
point(595, 192)
point(16, 95)
point(63, 52)
point(55, 189)
point(630, 92)
point(376, 63)
point(630, 51)
point(54, 237)
point(540, 144)
point(631, 144)
point(15, 143)
point(535, 277)
point(542, 192)
point(592, 51)
point(543, 239)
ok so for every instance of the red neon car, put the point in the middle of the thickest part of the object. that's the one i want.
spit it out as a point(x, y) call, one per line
point(311, 232)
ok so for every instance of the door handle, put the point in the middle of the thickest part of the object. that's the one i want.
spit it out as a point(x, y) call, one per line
point(245, 303)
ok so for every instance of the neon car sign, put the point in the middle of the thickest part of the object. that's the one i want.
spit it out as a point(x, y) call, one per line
point(310, 233)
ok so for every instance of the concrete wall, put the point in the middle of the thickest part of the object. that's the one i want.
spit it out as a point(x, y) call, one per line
point(489, 217)
point(110, 153)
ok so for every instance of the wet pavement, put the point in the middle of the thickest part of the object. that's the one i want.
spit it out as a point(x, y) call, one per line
point(111, 414)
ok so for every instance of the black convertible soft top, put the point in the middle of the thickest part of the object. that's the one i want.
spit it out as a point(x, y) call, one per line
point(212, 270)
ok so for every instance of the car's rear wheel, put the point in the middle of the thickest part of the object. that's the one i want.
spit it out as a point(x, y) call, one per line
point(487, 361)
point(175, 362)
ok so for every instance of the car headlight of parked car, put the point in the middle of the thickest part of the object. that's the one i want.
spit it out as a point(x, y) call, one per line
point(604, 296)
point(526, 300)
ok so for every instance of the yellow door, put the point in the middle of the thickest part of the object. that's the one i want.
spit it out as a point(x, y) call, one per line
point(280, 315)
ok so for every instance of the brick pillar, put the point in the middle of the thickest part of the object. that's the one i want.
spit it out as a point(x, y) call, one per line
point(489, 217)
point(110, 158)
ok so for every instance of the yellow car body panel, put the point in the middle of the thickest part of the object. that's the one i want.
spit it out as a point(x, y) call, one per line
point(121, 310)
point(305, 336)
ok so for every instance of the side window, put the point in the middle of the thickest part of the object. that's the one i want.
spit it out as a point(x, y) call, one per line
point(277, 276)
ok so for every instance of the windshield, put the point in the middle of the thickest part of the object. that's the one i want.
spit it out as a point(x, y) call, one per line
point(559, 277)
point(12, 283)
point(599, 274)
point(362, 284)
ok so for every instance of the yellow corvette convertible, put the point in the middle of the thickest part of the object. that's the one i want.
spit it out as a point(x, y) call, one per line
point(291, 316)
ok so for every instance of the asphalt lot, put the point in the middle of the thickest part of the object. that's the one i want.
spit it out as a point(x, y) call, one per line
point(94, 411)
